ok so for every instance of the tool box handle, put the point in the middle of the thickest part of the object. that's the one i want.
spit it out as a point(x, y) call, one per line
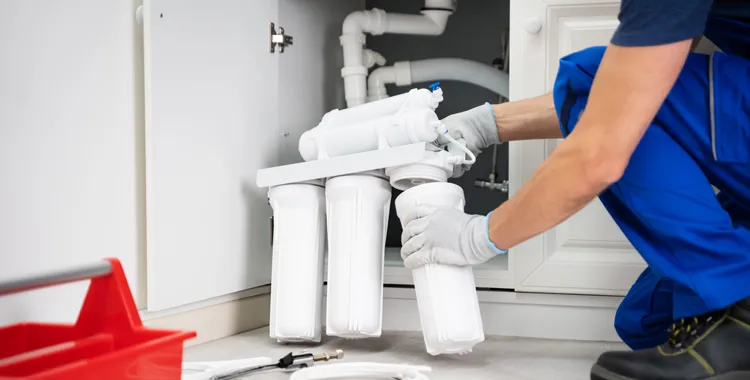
point(41, 280)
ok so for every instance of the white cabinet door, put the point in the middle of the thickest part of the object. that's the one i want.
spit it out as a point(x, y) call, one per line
point(588, 254)
point(211, 123)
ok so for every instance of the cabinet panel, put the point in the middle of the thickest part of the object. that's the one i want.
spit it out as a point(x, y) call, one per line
point(493, 274)
point(572, 28)
point(588, 253)
point(211, 123)
point(69, 128)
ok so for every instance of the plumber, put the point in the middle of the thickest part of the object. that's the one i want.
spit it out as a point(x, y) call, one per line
point(653, 130)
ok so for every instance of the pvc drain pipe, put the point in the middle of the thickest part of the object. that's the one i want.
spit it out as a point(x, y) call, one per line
point(405, 73)
point(446, 294)
point(431, 21)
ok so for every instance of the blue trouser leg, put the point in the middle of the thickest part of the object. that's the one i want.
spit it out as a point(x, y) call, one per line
point(698, 256)
point(740, 215)
point(645, 314)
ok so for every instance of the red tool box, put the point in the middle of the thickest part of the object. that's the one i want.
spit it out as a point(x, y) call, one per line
point(107, 342)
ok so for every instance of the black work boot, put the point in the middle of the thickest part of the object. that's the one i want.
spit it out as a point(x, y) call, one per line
point(715, 346)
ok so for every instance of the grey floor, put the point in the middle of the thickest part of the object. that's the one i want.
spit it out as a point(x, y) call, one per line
point(495, 358)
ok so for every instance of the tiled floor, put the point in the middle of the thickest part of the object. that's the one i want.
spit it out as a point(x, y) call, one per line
point(496, 358)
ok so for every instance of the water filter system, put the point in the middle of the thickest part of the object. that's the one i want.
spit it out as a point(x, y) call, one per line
point(337, 201)
point(330, 203)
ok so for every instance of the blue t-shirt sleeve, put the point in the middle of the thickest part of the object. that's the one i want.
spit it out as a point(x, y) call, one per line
point(658, 22)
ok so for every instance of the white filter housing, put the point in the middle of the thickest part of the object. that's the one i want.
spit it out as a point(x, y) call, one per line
point(414, 99)
point(397, 121)
point(299, 237)
point(446, 294)
point(394, 130)
point(357, 208)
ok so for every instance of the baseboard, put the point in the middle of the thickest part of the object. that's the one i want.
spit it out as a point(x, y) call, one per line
point(218, 320)
point(528, 315)
point(504, 313)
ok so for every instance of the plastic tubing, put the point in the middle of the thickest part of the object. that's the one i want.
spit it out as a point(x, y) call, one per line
point(437, 69)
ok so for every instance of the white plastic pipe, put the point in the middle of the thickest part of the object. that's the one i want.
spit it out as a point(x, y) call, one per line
point(398, 74)
point(406, 73)
point(432, 21)
point(429, 23)
point(376, 21)
point(372, 58)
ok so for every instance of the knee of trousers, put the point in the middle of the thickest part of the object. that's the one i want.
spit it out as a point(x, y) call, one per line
point(637, 332)
point(645, 314)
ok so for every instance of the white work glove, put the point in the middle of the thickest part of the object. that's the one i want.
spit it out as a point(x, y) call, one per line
point(446, 236)
point(476, 126)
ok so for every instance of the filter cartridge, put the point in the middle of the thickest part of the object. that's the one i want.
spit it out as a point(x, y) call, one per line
point(357, 208)
point(446, 294)
point(299, 236)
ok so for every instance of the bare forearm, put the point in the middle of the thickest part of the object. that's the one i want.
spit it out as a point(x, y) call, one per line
point(532, 119)
point(528, 119)
point(561, 186)
point(630, 86)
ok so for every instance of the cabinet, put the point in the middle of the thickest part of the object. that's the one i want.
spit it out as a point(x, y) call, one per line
point(69, 132)
point(220, 106)
point(586, 254)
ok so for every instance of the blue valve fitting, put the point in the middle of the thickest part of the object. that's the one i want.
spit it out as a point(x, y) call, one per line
point(435, 86)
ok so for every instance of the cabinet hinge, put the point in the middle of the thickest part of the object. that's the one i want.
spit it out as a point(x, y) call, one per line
point(279, 39)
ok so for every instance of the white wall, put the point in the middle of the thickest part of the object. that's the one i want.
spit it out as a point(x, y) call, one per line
point(70, 136)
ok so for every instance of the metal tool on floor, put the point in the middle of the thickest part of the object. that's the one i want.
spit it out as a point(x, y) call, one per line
point(288, 363)
point(237, 369)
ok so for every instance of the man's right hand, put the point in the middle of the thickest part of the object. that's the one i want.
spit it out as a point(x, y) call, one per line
point(445, 236)
point(476, 126)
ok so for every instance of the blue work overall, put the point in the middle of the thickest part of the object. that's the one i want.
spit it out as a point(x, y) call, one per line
point(696, 243)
